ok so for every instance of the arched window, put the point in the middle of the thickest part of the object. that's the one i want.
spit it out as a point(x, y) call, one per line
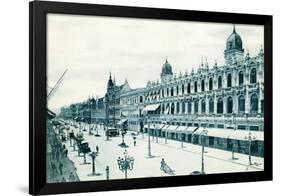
point(172, 108)
point(163, 108)
point(241, 78)
point(210, 84)
point(220, 106)
point(168, 92)
point(195, 107)
point(167, 109)
point(189, 107)
point(229, 105)
point(195, 86)
point(172, 91)
point(203, 106)
point(183, 107)
point(211, 106)
point(202, 86)
point(219, 82)
point(253, 76)
point(188, 88)
point(182, 89)
point(241, 104)
point(177, 90)
point(229, 80)
point(254, 103)
point(178, 107)
point(140, 99)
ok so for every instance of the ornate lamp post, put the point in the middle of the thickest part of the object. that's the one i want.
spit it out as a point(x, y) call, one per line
point(233, 143)
point(148, 133)
point(203, 134)
point(250, 138)
point(93, 155)
point(107, 172)
point(126, 163)
point(182, 139)
point(90, 115)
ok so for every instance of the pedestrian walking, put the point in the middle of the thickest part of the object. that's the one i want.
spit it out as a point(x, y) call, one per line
point(65, 152)
point(57, 155)
point(162, 164)
point(60, 167)
point(71, 177)
point(54, 169)
point(97, 148)
point(135, 142)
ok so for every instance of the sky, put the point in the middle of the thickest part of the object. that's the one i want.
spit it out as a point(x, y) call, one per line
point(91, 47)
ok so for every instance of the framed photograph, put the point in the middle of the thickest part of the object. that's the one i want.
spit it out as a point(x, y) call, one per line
point(132, 97)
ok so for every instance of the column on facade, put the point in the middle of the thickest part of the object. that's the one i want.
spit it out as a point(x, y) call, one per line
point(180, 108)
point(224, 104)
point(199, 105)
point(192, 106)
point(215, 104)
point(185, 106)
point(235, 104)
point(207, 105)
point(224, 80)
point(247, 99)
point(234, 78)
point(259, 101)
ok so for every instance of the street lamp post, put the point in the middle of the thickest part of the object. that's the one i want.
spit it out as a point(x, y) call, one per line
point(182, 138)
point(107, 172)
point(250, 138)
point(203, 134)
point(148, 133)
point(93, 155)
point(90, 116)
point(126, 163)
point(233, 143)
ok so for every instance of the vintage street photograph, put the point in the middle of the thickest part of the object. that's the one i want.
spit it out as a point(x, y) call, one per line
point(141, 98)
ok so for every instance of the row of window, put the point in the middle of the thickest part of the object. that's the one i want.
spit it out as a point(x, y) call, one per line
point(170, 91)
point(175, 108)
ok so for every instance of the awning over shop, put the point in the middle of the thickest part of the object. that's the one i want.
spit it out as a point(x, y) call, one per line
point(183, 129)
point(122, 121)
point(151, 108)
point(215, 132)
point(170, 128)
point(191, 129)
point(231, 133)
point(154, 126)
point(244, 135)
point(157, 126)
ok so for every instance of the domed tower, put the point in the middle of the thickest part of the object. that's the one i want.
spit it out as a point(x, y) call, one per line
point(167, 71)
point(234, 47)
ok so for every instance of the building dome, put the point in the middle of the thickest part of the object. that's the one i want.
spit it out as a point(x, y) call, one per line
point(234, 41)
point(166, 69)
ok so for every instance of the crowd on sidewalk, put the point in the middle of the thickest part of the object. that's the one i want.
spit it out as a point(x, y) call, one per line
point(59, 167)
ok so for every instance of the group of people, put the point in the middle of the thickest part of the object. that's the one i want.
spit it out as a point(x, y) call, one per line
point(58, 158)
point(165, 167)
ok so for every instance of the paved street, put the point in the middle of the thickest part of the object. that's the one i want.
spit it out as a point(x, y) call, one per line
point(182, 160)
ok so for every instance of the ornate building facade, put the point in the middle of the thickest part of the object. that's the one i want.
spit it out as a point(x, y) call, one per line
point(227, 100)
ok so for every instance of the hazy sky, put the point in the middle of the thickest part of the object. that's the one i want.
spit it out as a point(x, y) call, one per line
point(133, 49)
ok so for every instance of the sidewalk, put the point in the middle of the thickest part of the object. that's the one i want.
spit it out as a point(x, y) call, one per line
point(55, 158)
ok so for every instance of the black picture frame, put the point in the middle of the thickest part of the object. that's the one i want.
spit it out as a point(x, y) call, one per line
point(37, 96)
